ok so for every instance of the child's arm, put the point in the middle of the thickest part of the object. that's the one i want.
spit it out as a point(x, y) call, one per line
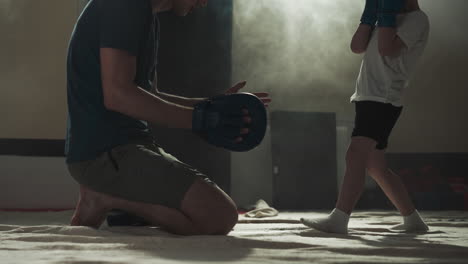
point(363, 33)
point(389, 42)
point(361, 39)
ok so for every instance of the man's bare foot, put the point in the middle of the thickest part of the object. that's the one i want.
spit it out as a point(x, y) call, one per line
point(91, 209)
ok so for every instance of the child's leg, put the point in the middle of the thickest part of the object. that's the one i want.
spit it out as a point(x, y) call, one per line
point(351, 189)
point(395, 190)
point(390, 183)
point(354, 178)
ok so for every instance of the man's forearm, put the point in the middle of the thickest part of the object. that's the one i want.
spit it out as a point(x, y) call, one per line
point(140, 104)
point(180, 100)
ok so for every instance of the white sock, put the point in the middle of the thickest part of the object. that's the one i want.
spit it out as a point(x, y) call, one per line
point(335, 222)
point(412, 223)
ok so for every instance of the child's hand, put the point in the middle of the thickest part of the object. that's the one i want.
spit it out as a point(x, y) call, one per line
point(387, 11)
point(369, 16)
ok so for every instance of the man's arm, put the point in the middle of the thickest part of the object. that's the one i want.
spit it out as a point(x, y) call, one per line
point(180, 100)
point(191, 102)
point(118, 69)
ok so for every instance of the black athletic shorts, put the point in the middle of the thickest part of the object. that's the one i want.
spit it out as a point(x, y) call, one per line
point(375, 120)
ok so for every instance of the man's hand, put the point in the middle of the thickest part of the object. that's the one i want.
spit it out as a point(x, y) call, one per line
point(388, 11)
point(369, 16)
point(264, 97)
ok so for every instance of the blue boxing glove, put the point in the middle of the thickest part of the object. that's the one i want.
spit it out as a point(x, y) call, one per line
point(219, 120)
point(388, 11)
point(369, 16)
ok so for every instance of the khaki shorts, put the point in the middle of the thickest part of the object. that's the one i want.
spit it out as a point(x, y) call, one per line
point(138, 172)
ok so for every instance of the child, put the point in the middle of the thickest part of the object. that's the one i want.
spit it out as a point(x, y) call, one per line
point(392, 35)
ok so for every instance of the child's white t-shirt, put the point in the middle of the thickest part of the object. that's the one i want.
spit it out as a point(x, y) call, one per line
point(383, 79)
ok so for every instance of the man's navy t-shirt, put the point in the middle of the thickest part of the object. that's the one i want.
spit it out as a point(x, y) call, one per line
point(127, 25)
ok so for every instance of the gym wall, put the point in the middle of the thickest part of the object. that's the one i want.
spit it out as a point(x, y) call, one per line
point(300, 54)
point(33, 46)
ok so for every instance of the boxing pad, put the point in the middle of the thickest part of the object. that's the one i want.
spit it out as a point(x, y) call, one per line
point(219, 121)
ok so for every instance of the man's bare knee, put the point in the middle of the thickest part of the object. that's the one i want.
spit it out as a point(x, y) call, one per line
point(219, 223)
point(229, 221)
point(211, 210)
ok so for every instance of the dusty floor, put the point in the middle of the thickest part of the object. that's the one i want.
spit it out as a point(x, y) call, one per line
point(46, 238)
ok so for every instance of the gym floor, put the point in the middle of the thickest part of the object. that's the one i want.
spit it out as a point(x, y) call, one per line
point(46, 237)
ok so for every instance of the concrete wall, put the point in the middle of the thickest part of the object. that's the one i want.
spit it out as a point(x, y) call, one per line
point(34, 38)
point(299, 52)
point(35, 35)
point(296, 50)
point(36, 183)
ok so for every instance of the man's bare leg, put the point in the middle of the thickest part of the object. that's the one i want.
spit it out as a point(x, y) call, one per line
point(91, 209)
point(205, 210)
